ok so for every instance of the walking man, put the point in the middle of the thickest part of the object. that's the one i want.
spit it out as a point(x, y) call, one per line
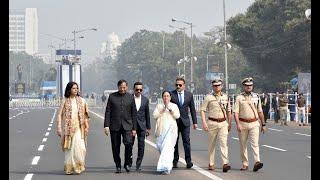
point(143, 121)
point(218, 124)
point(249, 119)
point(121, 120)
point(301, 109)
point(184, 100)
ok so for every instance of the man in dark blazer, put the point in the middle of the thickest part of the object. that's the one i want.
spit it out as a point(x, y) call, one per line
point(184, 100)
point(143, 121)
point(121, 119)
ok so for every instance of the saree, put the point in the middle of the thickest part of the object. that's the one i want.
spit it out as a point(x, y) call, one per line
point(166, 135)
point(73, 142)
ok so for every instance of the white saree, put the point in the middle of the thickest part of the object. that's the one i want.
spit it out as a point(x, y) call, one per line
point(75, 155)
point(166, 133)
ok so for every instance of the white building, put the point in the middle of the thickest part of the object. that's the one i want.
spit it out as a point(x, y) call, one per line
point(109, 48)
point(23, 30)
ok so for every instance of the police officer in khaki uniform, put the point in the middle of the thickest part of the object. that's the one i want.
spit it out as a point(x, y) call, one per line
point(283, 110)
point(218, 124)
point(249, 118)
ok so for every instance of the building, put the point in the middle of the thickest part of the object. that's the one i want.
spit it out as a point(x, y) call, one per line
point(109, 48)
point(23, 30)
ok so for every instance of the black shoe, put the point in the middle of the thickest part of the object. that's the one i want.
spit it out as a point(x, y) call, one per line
point(138, 169)
point(257, 166)
point(189, 165)
point(226, 168)
point(127, 168)
point(118, 170)
point(175, 165)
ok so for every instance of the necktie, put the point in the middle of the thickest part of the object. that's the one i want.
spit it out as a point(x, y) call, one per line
point(180, 99)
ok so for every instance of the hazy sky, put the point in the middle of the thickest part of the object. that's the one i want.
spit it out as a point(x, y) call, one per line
point(124, 17)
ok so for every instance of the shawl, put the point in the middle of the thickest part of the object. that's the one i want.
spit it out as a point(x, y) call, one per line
point(69, 130)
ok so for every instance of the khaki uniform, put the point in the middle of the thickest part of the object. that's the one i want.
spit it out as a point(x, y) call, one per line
point(248, 106)
point(283, 109)
point(216, 106)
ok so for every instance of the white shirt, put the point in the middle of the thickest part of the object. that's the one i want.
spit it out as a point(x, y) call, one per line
point(137, 100)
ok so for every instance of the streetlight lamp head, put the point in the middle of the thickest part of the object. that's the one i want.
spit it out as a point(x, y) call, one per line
point(173, 20)
point(195, 58)
point(94, 29)
point(308, 13)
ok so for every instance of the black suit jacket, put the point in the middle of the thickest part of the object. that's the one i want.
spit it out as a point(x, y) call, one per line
point(143, 115)
point(188, 103)
point(121, 110)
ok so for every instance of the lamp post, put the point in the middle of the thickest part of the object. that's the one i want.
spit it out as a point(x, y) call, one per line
point(191, 49)
point(225, 47)
point(184, 50)
point(74, 37)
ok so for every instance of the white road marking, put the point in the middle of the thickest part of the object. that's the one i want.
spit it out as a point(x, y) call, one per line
point(279, 130)
point(35, 160)
point(199, 129)
point(303, 134)
point(274, 148)
point(49, 129)
point(47, 134)
point(50, 125)
point(235, 138)
point(309, 157)
point(44, 140)
point(41, 147)
point(13, 116)
point(28, 177)
point(195, 167)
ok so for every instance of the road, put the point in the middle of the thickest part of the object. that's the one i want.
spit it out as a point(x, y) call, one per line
point(35, 152)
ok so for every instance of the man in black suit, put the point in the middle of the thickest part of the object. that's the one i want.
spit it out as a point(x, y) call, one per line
point(121, 119)
point(184, 100)
point(143, 121)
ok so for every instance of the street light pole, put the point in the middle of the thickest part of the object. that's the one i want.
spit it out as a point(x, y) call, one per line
point(74, 37)
point(225, 47)
point(191, 48)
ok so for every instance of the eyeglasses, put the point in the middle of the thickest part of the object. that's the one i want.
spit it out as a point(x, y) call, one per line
point(180, 85)
point(216, 85)
point(139, 90)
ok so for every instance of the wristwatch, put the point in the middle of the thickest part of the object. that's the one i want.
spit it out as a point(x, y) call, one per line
point(263, 125)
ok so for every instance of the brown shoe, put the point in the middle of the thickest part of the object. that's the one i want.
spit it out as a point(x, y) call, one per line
point(257, 166)
point(244, 168)
point(211, 167)
point(226, 168)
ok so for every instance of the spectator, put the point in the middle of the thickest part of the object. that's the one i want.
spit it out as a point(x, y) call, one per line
point(292, 106)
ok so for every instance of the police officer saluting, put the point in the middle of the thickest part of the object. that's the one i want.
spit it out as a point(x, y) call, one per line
point(249, 119)
point(218, 124)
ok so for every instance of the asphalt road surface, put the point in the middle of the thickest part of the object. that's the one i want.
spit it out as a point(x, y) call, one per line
point(35, 152)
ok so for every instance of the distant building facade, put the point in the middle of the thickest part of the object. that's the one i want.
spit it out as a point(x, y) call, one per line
point(23, 30)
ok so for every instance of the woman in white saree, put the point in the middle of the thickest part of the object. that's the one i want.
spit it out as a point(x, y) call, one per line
point(166, 132)
point(73, 113)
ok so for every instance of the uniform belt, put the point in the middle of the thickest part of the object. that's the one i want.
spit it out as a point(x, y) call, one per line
point(217, 119)
point(247, 120)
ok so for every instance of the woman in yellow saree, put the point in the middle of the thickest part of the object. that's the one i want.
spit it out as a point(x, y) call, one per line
point(73, 117)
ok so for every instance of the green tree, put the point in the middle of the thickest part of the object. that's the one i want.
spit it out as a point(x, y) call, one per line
point(274, 36)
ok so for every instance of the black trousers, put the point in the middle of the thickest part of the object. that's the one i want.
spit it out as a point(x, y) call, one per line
point(116, 142)
point(141, 134)
point(185, 134)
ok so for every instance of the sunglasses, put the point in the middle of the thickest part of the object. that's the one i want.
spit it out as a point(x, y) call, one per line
point(139, 90)
point(216, 85)
point(180, 85)
point(247, 85)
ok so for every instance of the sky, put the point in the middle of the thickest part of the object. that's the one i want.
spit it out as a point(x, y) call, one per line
point(124, 17)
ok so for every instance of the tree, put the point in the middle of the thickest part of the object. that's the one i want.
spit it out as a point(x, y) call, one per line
point(274, 36)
